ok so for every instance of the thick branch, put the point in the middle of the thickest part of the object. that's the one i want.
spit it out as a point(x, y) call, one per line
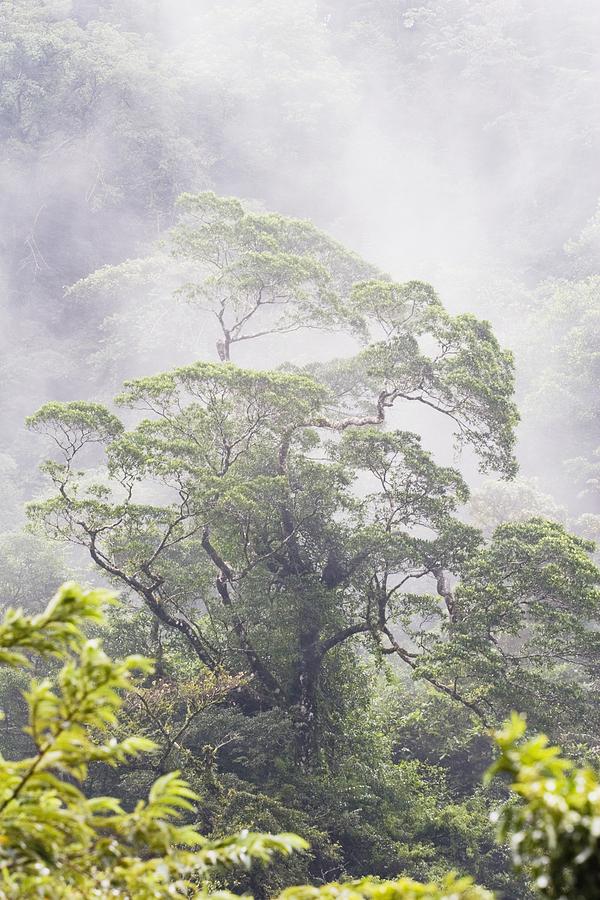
point(224, 579)
point(147, 593)
point(410, 659)
point(385, 399)
point(341, 636)
point(445, 591)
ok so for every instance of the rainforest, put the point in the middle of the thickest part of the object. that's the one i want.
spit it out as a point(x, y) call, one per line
point(299, 449)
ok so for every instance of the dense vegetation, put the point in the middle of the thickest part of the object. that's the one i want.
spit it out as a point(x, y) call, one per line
point(350, 519)
point(58, 842)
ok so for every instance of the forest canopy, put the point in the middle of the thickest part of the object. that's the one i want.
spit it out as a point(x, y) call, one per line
point(299, 359)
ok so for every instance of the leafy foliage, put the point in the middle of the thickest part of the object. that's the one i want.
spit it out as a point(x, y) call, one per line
point(263, 274)
point(554, 827)
point(533, 591)
point(404, 889)
point(56, 841)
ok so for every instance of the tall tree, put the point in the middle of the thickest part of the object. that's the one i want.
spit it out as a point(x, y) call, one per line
point(269, 518)
point(233, 510)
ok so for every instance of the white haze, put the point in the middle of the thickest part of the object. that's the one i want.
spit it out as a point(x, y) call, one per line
point(454, 142)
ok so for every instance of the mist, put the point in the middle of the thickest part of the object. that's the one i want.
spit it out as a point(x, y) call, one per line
point(453, 143)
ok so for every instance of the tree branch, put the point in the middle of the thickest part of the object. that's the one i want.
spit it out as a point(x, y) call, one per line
point(224, 578)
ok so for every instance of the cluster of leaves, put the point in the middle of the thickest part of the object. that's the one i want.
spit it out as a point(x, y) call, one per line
point(262, 272)
point(533, 591)
point(57, 842)
point(452, 888)
point(554, 828)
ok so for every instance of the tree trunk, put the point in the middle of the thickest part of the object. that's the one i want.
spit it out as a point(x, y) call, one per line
point(306, 711)
point(223, 345)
